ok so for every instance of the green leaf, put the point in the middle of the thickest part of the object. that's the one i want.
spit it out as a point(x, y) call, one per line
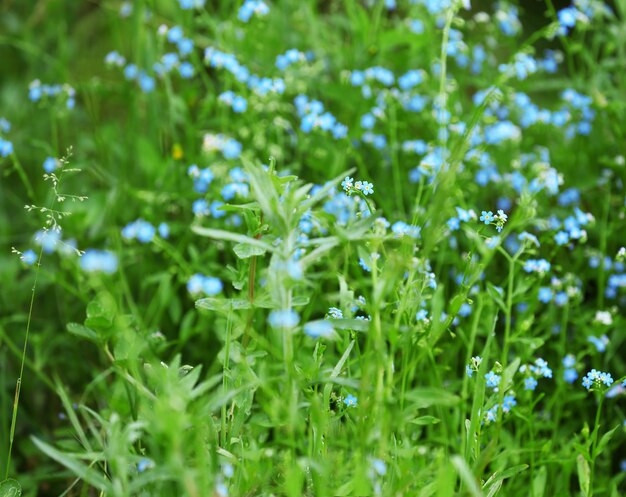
point(584, 474)
point(10, 488)
point(604, 441)
point(508, 473)
point(426, 397)
point(466, 475)
point(539, 483)
point(495, 488)
point(71, 462)
point(83, 332)
point(213, 304)
point(231, 237)
point(245, 250)
point(351, 324)
point(425, 420)
point(496, 294)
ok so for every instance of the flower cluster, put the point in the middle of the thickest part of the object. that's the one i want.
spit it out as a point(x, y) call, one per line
point(38, 91)
point(143, 231)
point(597, 380)
point(540, 266)
point(291, 56)
point(98, 261)
point(334, 313)
point(539, 369)
point(229, 147)
point(499, 220)
point(473, 366)
point(6, 147)
point(570, 375)
point(207, 285)
point(363, 187)
point(312, 116)
point(235, 102)
point(317, 329)
point(260, 86)
point(252, 7)
point(508, 403)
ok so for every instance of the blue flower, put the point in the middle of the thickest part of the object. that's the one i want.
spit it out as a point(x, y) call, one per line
point(284, 319)
point(508, 403)
point(164, 230)
point(144, 464)
point(335, 313)
point(537, 266)
point(146, 83)
point(569, 361)
point(175, 34)
point(545, 294)
point(6, 148)
point(185, 46)
point(29, 257)
point(570, 375)
point(530, 383)
point(598, 379)
point(486, 217)
point(98, 261)
point(50, 164)
point(364, 265)
point(493, 380)
point(350, 401)
point(600, 343)
point(317, 329)
point(208, 285)
point(561, 238)
point(367, 188)
point(186, 70)
point(347, 183)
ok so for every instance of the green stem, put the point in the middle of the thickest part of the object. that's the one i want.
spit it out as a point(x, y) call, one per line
point(594, 445)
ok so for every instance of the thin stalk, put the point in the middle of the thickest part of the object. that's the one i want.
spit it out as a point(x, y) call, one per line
point(594, 445)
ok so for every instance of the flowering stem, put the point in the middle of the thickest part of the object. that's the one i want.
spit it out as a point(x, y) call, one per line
point(367, 202)
point(594, 444)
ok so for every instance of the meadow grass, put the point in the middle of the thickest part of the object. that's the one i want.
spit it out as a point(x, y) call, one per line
point(319, 248)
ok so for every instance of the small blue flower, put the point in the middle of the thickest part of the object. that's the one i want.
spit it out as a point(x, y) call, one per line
point(508, 403)
point(486, 217)
point(364, 265)
point(569, 361)
point(367, 188)
point(164, 230)
point(347, 183)
point(144, 464)
point(186, 70)
point(6, 148)
point(545, 295)
point(146, 83)
point(175, 34)
point(530, 383)
point(50, 164)
point(284, 319)
point(350, 401)
point(335, 313)
point(317, 329)
point(98, 261)
point(570, 375)
point(29, 257)
point(561, 238)
point(493, 380)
